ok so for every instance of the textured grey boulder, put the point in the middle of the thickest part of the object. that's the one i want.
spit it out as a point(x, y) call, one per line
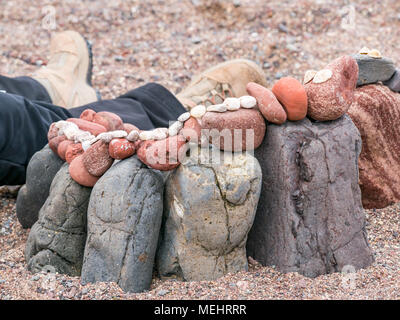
point(394, 82)
point(41, 170)
point(57, 239)
point(209, 210)
point(372, 70)
point(310, 218)
point(124, 219)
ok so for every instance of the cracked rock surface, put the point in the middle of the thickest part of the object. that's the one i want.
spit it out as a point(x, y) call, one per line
point(41, 170)
point(56, 241)
point(310, 218)
point(124, 219)
point(209, 210)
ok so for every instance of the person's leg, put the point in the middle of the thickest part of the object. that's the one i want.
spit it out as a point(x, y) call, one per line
point(23, 131)
point(25, 87)
point(147, 107)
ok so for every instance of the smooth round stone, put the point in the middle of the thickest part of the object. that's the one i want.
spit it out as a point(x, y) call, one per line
point(191, 130)
point(97, 159)
point(268, 105)
point(232, 104)
point(160, 133)
point(373, 70)
point(184, 116)
point(175, 128)
point(292, 96)
point(331, 99)
point(62, 148)
point(53, 132)
point(93, 128)
point(394, 82)
point(322, 76)
point(80, 174)
point(248, 102)
point(309, 75)
point(228, 130)
point(163, 154)
point(217, 108)
point(121, 149)
point(133, 135)
point(198, 111)
point(73, 150)
point(108, 136)
point(55, 142)
point(88, 115)
point(109, 120)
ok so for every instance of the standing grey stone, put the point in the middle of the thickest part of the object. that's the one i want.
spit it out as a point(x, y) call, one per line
point(394, 82)
point(57, 239)
point(310, 217)
point(124, 219)
point(209, 210)
point(41, 170)
point(373, 70)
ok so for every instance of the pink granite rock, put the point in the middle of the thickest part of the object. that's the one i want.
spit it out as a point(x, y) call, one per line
point(88, 115)
point(97, 159)
point(268, 105)
point(54, 143)
point(129, 127)
point(163, 154)
point(331, 99)
point(239, 130)
point(62, 148)
point(73, 150)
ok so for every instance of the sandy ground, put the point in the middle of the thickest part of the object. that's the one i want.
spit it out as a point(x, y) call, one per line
point(168, 42)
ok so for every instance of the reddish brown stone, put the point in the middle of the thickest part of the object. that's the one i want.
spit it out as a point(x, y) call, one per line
point(79, 173)
point(96, 159)
point(191, 130)
point(85, 125)
point(62, 148)
point(73, 150)
point(53, 132)
point(293, 97)
point(109, 120)
point(228, 130)
point(121, 149)
point(130, 127)
point(268, 105)
point(376, 114)
point(331, 99)
point(54, 143)
point(163, 154)
point(88, 115)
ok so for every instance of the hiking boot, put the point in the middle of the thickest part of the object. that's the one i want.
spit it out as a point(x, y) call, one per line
point(228, 79)
point(67, 76)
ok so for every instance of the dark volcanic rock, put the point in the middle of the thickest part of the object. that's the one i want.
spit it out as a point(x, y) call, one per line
point(41, 170)
point(310, 218)
point(124, 219)
point(372, 70)
point(57, 239)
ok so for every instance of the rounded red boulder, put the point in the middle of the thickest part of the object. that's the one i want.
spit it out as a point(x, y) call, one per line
point(129, 127)
point(62, 148)
point(191, 130)
point(331, 99)
point(164, 154)
point(239, 130)
point(73, 150)
point(121, 149)
point(53, 132)
point(109, 120)
point(292, 96)
point(88, 115)
point(97, 159)
point(267, 103)
point(55, 142)
point(79, 173)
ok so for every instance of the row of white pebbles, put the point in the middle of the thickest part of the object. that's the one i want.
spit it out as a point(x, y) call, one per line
point(73, 133)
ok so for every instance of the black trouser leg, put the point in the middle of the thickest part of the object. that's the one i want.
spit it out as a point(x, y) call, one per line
point(25, 87)
point(24, 123)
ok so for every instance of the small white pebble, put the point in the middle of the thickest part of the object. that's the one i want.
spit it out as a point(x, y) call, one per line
point(146, 135)
point(160, 133)
point(198, 111)
point(248, 102)
point(174, 128)
point(217, 108)
point(232, 104)
point(133, 136)
point(184, 116)
point(86, 145)
point(309, 75)
point(364, 50)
